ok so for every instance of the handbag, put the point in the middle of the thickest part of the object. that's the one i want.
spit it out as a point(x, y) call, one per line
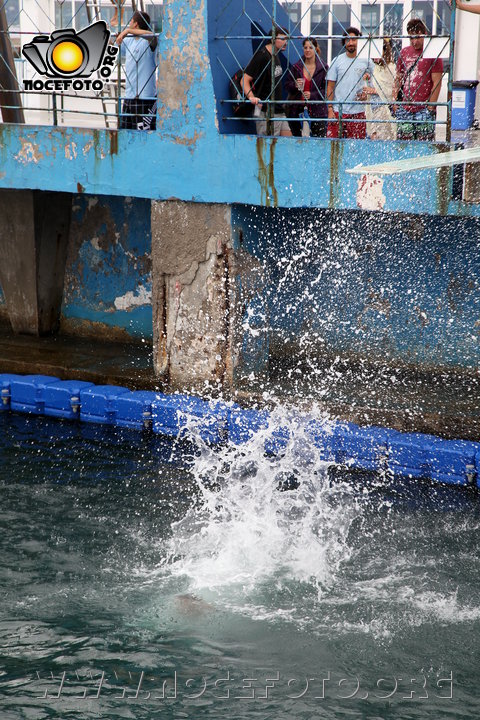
point(399, 97)
point(305, 117)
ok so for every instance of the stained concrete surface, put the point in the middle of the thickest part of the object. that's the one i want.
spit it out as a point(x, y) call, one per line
point(70, 358)
point(440, 401)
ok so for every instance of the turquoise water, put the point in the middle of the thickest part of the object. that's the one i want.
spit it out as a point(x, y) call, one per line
point(140, 579)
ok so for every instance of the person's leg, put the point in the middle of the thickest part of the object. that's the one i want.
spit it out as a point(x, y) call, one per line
point(356, 127)
point(118, 4)
point(405, 131)
point(152, 112)
point(332, 127)
point(279, 126)
point(405, 127)
point(425, 126)
point(260, 123)
point(318, 129)
point(295, 128)
point(127, 118)
point(137, 106)
point(343, 125)
point(147, 117)
point(282, 126)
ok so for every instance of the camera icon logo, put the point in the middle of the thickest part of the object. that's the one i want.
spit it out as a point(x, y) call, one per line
point(68, 54)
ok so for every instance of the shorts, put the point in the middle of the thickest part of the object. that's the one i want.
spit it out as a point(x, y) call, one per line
point(279, 121)
point(355, 126)
point(419, 125)
point(134, 112)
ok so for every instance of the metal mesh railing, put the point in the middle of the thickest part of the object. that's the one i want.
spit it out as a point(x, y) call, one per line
point(36, 88)
point(404, 91)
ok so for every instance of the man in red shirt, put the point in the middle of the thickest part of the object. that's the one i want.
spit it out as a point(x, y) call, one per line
point(418, 82)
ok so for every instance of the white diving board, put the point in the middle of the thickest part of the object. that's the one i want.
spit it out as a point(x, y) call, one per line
point(423, 162)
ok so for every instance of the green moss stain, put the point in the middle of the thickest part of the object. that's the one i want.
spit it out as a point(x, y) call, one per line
point(444, 189)
point(336, 155)
point(444, 182)
point(113, 142)
point(266, 172)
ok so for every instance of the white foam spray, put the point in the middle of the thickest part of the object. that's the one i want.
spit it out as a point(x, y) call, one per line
point(247, 530)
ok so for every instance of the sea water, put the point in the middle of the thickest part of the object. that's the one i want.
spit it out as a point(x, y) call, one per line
point(144, 579)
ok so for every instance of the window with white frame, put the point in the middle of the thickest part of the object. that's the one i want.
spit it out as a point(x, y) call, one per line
point(424, 11)
point(80, 13)
point(370, 18)
point(330, 19)
point(294, 12)
point(442, 17)
point(319, 24)
point(12, 10)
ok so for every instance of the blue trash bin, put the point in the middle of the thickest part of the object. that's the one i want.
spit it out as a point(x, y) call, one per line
point(463, 103)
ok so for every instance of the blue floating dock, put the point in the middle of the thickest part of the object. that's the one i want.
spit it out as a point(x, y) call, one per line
point(134, 409)
point(172, 414)
point(5, 389)
point(404, 455)
point(448, 461)
point(27, 393)
point(243, 424)
point(345, 443)
point(99, 403)
point(62, 398)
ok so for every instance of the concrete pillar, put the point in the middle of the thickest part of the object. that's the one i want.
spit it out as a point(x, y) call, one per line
point(471, 186)
point(33, 248)
point(203, 292)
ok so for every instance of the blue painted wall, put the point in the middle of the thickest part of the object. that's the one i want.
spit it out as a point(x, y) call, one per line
point(404, 289)
point(208, 167)
point(108, 273)
point(187, 157)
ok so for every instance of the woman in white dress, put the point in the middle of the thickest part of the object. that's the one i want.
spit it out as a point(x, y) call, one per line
point(381, 124)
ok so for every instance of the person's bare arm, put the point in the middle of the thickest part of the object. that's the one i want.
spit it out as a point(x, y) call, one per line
point(437, 84)
point(247, 89)
point(132, 31)
point(330, 95)
point(468, 7)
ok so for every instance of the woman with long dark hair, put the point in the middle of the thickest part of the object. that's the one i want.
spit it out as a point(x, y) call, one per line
point(305, 84)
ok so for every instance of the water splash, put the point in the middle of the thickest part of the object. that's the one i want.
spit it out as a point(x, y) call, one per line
point(261, 520)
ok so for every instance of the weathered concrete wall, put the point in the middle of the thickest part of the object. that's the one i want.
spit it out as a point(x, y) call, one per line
point(193, 162)
point(108, 273)
point(210, 316)
point(397, 288)
point(33, 243)
point(3, 310)
point(387, 288)
point(191, 244)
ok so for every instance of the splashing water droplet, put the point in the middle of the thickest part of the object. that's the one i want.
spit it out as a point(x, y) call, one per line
point(261, 519)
